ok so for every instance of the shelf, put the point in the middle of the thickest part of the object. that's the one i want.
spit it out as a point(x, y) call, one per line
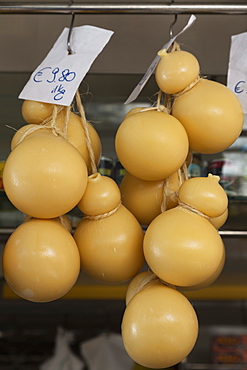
point(118, 292)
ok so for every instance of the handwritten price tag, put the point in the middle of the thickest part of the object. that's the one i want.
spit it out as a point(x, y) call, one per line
point(237, 69)
point(58, 77)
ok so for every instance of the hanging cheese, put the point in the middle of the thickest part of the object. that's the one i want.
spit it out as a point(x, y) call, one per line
point(211, 115)
point(45, 176)
point(109, 237)
point(36, 112)
point(159, 327)
point(151, 145)
point(41, 262)
point(182, 248)
point(176, 70)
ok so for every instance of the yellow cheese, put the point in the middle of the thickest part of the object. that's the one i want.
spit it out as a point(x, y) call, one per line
point(151, 145)
point(41, 261)
point(182, 248)
point(45, 176)
point(159, 327)
point(211, 115)
point(176, 70)
point(111, 248)
point(102, 195)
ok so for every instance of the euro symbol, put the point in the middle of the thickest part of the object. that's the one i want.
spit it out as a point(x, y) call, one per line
point(238, 89)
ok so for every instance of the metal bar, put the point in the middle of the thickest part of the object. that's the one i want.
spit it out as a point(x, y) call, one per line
point(233, 234)
point(224, 233)
point(6, 230)
point(124, 8)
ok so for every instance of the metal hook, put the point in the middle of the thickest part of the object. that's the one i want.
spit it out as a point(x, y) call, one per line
point(171, 26)
point(70, 51)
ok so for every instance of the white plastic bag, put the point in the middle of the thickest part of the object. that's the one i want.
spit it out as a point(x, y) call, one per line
point(63, 358)
point(106, 352)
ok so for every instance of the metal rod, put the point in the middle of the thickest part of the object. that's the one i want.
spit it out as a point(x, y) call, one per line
point(124, 8)
point(224, 233)
point(232, 234)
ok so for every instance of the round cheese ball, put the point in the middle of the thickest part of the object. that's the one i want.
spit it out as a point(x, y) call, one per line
point(159, 327)
point(182, 248)
point(45, 176)
point(36, 112)
point(111, 247)
point(175, 71)
point(41, 261)
point(151, 145)
point(211, 115)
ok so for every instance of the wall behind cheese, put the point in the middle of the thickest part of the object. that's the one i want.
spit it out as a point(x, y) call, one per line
point(26, 39)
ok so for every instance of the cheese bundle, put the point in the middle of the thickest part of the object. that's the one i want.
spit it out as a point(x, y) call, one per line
point(182, 245)
point(210, 112)
point(50, 170)
point(45, 176)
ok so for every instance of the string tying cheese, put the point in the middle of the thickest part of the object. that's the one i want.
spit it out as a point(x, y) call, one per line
point(167, 192)
point(49, 123)
point(104, 215)
point(190, 208)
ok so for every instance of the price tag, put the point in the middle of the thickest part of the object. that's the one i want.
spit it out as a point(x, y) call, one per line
point(237, 69)
point(59, 75)
point(155, 62)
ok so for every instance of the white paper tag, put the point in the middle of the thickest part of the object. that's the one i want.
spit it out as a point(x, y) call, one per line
point(154, 63)
point(237, 68)
point(59, 75)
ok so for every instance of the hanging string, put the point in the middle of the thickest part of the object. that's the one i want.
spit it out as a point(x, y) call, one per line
point(87, 135)
point(187, 88)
